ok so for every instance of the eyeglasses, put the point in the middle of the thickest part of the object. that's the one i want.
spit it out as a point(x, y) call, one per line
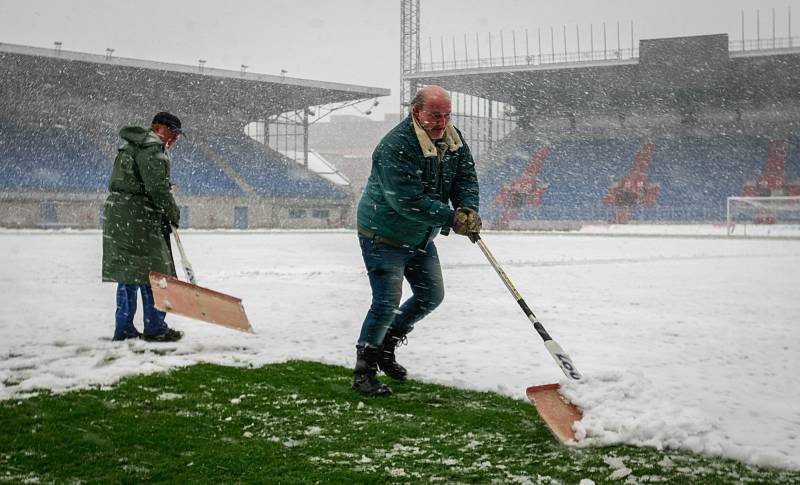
point(438, 116)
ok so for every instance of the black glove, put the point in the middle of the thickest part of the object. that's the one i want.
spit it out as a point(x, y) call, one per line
point(466, 221)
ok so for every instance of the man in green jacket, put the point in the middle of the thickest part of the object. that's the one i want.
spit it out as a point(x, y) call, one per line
point(138, 215)
point(423, 182)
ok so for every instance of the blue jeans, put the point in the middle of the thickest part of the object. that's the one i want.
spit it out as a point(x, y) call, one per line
point(154, 323)
point(386, 267)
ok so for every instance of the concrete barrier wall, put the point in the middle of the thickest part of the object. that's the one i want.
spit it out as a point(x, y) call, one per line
point(84, 211)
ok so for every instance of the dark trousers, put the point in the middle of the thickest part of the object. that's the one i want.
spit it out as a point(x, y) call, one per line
point(387, 267)
point(154, 323)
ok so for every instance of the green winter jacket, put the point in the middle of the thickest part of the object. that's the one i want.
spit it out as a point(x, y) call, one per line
point(138, 209)
point(413, 183)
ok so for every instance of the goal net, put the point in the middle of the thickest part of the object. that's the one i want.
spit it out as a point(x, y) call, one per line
point(758, 214)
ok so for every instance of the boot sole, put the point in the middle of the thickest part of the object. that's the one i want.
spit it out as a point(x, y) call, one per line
point(386, 391)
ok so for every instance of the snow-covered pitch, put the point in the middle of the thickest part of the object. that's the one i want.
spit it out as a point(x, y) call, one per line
point(688, 342)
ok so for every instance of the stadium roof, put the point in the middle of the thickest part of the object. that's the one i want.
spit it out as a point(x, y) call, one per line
point(698, 69)
point(60, 74)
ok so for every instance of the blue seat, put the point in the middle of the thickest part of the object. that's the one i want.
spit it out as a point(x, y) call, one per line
point(695, 176)
point(194, 173)
point(52, 159)
point(268, 172)
point(578, 174)
point(793, 160)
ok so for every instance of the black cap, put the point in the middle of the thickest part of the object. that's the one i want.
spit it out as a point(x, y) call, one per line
point(169, 120)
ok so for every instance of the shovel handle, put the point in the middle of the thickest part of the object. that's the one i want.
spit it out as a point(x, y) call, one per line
point(187, 266)
point(562, 359)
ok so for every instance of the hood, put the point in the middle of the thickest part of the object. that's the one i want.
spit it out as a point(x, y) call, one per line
point(140, 136)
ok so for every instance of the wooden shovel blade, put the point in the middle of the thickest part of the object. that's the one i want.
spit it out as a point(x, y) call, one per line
point(556, 411)
point(175, 296)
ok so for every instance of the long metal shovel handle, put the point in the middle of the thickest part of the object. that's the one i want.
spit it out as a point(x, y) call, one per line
point(187, 266)
point(562, 359)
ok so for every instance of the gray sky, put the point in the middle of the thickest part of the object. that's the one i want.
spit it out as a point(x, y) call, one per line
point(357, 41)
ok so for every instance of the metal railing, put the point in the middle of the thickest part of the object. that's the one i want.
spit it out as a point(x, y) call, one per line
point(764, 44)
point(608, 55)
point(531, 60)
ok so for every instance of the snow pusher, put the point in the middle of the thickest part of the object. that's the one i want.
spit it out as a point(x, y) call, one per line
point(557, 412)
point(190, 300)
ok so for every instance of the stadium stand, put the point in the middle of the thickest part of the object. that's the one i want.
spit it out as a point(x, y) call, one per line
point(774, 178)
point(633, 189)
point(54, 158)
point(665, 135)
point(525, 190)
point(579, 173)
point(193, 172)
point(571, 179)
point(696, 175)
point(269, 172)
point(669, 179)
point(793, 162)
point(58, 141)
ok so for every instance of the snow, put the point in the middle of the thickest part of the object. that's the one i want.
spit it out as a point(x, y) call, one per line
point(684, 341)
point(620, 470)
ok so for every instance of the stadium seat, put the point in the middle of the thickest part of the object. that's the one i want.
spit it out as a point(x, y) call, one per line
point(268, 172)
point(674, 178)
point(194, 173)
point(51, 159)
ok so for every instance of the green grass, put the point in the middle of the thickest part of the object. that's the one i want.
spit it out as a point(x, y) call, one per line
point(299, 422)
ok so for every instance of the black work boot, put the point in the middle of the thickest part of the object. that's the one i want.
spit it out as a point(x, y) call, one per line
point(386, 360)
point(365, 380)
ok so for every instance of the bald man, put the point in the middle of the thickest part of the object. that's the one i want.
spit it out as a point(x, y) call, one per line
point(422, 183)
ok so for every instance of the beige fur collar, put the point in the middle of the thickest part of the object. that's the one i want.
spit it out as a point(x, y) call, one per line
point(451, 138)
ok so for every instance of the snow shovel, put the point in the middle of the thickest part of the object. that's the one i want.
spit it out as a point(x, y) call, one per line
point(187, 299)
point(555, 410)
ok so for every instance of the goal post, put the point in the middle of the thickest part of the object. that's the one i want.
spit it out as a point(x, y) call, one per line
point(747, 212)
